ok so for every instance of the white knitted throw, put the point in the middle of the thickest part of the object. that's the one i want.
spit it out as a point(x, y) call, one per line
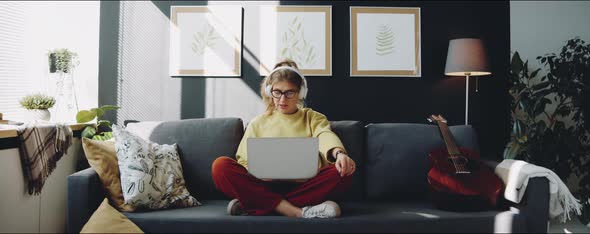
point(516, 175)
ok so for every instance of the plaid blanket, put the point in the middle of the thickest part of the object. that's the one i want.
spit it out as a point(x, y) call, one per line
point(41, 146)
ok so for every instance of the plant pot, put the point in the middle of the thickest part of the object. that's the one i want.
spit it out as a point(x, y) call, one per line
point(39, 114)
point(52, 63)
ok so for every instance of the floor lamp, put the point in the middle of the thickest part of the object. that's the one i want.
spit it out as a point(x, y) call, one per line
point(466, 57)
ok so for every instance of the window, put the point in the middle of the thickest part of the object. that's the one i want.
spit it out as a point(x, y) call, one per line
point(12, 58)
point(29, 31)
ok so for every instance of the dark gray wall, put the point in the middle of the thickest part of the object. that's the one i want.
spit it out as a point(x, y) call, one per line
point(375, 99)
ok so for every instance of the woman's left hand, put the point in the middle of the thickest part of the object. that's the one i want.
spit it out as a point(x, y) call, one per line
point(345, 165)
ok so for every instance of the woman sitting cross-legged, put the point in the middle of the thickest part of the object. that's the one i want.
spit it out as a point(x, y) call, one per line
point(283, 91)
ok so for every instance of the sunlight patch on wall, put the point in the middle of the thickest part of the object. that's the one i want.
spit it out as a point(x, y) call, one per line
point(145, 90)
point(232, 98)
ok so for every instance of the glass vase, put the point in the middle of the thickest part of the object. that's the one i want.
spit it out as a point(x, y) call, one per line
point(66, 103)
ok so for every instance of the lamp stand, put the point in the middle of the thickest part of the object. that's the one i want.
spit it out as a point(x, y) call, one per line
point(467, 97)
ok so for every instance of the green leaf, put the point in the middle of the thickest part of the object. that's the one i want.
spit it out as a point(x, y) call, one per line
point(512, 150)
point(539, 108)
point(103, 136)
point(541, 126)
point(522, 140)
point(541, 86)
point(84, 116)
point(516, 63)
point(109, 107)
point(99, 112)
point(103, 122)
point(105, 108)
point(543, 93)
point(563, 111)
point(517, 129)
point(88, 132)
point(534, 73)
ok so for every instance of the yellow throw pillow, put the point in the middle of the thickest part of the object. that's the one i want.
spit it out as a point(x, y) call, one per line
point(102, 158)
point(107, 219)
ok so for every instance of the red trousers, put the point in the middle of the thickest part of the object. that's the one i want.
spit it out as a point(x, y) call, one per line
point(259, 197)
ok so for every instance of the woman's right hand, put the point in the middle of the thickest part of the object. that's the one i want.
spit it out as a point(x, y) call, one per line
point(345, 165)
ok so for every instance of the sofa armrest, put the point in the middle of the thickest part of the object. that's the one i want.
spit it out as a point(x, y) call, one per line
point(85, 194)
point(535, 205)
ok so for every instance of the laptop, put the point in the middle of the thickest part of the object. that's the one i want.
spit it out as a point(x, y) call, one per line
point(283, 158)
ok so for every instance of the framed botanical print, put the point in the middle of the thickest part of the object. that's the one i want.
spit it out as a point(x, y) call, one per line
point(300, 33)
point(205, 40)
point(385, 41)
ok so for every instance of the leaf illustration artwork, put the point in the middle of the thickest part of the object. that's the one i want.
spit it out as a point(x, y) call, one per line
point(295, 46)
point(385, 40)
point(203, 39)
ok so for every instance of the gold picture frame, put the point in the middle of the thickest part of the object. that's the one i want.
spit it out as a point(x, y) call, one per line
point(385, 41)
point(206, 41)
point(296, 25)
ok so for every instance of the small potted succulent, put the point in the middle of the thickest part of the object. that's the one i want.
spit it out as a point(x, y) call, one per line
point(37, 105)
point(61, 60)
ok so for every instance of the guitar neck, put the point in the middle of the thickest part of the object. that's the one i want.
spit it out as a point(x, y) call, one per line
point(448, 138)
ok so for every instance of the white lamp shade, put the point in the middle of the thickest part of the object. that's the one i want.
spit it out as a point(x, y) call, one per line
point(466, 56)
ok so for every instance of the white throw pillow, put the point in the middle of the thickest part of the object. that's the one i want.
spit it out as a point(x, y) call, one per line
point(151, 174)
point(143, 129)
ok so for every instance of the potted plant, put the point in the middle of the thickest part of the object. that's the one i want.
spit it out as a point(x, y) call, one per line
point(102, 130)
point(62, 86)
point(547, 118)
point(37, 105)
point(61, 60)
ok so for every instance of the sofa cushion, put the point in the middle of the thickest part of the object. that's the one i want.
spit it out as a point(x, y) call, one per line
point(357, 217)
point(102, 158)
point(352, 135)
point(106, 219)
point(151, 173)
point(397, 163)
point(200, 142)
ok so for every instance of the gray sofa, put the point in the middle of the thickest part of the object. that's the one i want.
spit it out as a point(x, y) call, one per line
point(389, 191)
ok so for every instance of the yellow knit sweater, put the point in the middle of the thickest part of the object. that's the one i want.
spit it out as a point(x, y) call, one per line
point(303, 123)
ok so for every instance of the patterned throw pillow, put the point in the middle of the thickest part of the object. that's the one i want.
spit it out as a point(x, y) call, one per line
point(151, 174)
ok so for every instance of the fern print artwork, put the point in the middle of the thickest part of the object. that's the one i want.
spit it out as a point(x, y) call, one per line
point(295, 46)
point(203, 39)
point(385, 40)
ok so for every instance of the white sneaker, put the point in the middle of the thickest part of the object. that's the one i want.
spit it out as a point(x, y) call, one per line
point(235, 208)
point(327, 209)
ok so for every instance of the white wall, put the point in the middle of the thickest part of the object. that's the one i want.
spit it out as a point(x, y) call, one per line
point(47, 26)
point(233, 97)
point(540, 27)
point(145, 90)
point(68, 24)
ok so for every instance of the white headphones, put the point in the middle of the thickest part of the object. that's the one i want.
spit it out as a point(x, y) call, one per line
point(302, 89)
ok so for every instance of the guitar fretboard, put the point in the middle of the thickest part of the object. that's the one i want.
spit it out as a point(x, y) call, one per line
point(452, 148)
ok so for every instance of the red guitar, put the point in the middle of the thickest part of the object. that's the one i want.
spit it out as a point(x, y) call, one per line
point(457, 179)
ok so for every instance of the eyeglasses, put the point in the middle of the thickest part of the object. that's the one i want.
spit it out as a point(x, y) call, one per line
point(288, 94)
